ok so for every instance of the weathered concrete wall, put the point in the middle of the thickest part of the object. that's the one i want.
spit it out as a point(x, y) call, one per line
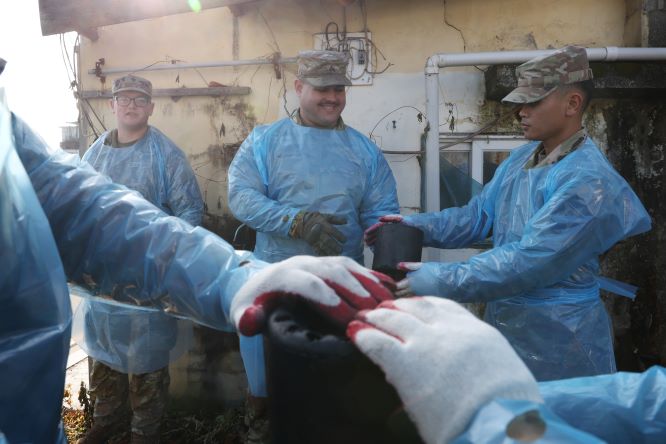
point(633, 23)
point(405, 33)
point(636, 135)
point(654, 29)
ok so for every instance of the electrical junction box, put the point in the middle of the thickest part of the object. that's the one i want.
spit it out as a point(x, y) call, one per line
point(358, 45)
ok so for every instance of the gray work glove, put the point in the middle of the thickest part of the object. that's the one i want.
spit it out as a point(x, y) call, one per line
point(317, 230)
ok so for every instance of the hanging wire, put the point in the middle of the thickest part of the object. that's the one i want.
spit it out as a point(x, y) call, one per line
point(327, 37)
point(420, 116)
point(74, 84)
point(202, 77)
point(337, 41)
point(278, 51)
point(376, 50)
point(461, 139)
point(167, 59)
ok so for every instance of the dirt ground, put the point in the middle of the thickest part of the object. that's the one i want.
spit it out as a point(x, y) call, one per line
point(179, 426)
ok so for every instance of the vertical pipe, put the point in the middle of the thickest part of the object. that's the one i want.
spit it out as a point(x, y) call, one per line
point(432, 147)
point(432, 137)
point(81, 121)
point(235, 39)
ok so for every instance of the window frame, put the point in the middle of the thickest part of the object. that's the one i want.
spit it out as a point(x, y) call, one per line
point(478, 145)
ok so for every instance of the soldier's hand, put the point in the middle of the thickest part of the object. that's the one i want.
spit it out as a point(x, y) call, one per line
point(318, 230)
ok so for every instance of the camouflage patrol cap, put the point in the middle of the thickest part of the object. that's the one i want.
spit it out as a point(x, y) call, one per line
point(132, 83)
point(323, 68)
point(539, 77)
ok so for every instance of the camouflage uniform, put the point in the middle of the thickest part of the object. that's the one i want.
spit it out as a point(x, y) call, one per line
point(111, 389)
point(541, 158)
point(321, 69)
point(147, 394)
point(537, 79)
point(296, 117)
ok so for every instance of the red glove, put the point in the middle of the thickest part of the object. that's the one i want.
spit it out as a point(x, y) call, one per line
point(337, 287)
point(370, 235)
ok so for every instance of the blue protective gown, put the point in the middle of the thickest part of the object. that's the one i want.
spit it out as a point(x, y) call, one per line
point(125, 339)
point(549, 225)
point(59, 217)
point(155, 167)
point(619, 408)
point(35, 318)
point(284, 168)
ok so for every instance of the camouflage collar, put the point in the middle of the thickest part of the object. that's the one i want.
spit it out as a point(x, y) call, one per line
point(540, 158)
point(296, 117)
point(112, 140)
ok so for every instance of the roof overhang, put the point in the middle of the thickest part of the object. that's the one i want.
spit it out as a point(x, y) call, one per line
point(85, 16)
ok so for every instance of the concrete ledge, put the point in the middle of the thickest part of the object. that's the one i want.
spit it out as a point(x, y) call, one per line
point(217, 91)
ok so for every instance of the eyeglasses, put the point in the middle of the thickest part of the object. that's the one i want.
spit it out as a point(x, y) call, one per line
point(140, 101)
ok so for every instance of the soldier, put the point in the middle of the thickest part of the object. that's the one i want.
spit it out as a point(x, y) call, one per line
point(309, 184)
point(124, 341)
point(553, 206)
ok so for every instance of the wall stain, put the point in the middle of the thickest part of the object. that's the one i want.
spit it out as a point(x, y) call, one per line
point(167, 109)
point(231, 121)
point(218, 155)
point(636, 133)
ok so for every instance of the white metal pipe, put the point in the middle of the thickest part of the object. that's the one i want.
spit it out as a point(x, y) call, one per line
point(165, 66)
point(443, 60)
point(608, 54)
point(431, 170)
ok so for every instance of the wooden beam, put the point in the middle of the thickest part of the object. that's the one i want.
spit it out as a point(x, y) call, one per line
point(179, 92)
point(58, 16)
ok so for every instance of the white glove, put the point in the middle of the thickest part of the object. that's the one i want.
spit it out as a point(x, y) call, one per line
point(444, 363)
point(338, 287)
